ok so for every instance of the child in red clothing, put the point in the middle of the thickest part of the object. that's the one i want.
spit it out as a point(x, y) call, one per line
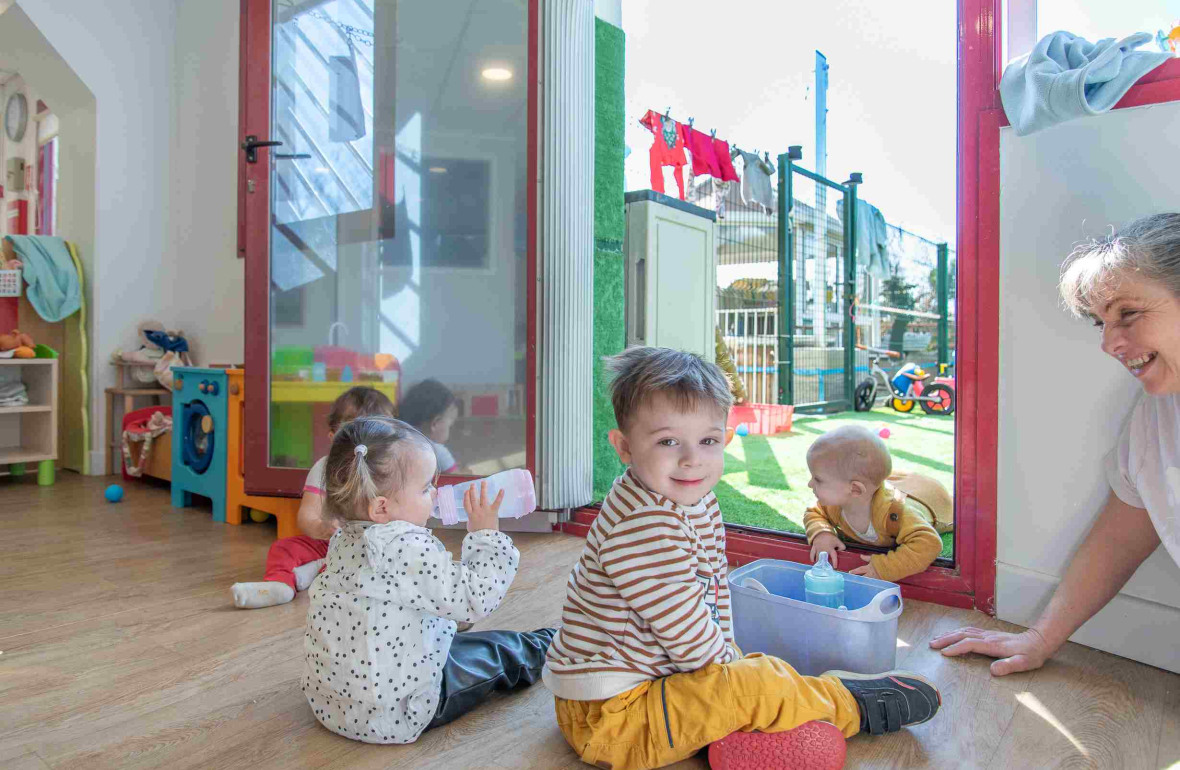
point(293, 562)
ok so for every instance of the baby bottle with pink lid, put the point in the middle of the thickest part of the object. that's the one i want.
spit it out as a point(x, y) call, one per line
point(519, 497)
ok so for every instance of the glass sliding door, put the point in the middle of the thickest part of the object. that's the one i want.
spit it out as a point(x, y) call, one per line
point(393, 160)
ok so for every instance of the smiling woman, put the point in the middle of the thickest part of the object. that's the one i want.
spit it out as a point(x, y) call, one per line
point(1129, 285)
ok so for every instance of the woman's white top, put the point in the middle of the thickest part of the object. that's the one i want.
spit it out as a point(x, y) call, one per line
point(1144, 469)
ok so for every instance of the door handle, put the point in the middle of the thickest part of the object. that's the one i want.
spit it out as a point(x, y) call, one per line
point(252, 144)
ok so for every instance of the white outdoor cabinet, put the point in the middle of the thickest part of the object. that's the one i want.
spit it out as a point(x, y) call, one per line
point(671, 288)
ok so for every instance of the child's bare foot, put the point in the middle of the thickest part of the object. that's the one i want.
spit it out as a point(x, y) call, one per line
point(813, 745)
point(252, 596)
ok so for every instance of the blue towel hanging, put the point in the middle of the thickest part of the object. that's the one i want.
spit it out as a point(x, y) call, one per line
point(53, 287)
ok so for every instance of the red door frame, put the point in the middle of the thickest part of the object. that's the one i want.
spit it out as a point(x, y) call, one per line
point(254, 245)
point(971, 583)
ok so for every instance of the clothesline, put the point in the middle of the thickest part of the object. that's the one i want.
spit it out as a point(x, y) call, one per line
point(710, 157)
point(734, 150)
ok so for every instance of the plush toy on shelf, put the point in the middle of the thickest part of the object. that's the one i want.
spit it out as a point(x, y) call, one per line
point(17, 345)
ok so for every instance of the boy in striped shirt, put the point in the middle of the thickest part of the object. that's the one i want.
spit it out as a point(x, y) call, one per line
point(645, 671)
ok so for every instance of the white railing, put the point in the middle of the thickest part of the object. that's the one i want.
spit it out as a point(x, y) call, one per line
point(751, 336)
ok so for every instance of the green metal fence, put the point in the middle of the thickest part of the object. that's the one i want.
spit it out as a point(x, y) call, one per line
point(798, 344)
point(817, 270)
point(912, 310)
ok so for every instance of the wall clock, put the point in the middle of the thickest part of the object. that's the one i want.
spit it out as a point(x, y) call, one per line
point(16, 117)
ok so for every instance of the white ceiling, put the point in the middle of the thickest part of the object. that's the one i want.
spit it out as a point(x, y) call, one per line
point(441, 54)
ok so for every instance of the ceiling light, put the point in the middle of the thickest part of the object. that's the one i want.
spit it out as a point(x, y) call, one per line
point(497, 73)
point(438, 169)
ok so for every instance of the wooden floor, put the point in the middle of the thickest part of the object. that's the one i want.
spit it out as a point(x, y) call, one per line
point(121, 649)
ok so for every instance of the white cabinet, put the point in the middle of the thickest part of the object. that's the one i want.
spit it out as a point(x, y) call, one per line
point(671, 289)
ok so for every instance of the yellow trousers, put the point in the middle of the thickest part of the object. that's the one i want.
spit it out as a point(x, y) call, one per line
point(666, 720)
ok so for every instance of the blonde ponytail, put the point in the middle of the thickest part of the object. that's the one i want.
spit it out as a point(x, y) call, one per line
point(367, 460)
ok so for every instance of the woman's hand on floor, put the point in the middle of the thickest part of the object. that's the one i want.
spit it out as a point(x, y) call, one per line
point(1016, 652)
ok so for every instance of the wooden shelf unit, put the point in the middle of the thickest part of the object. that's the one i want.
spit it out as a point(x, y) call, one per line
point(28, 433)
point(130, 389)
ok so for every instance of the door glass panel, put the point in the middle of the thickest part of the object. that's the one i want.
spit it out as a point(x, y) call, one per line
point(399, 215)
point(866, 342)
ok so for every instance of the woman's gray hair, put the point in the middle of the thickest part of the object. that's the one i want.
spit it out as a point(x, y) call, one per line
point(1148, 248)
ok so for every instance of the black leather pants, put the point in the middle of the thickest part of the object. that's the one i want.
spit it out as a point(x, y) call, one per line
point(482, 662)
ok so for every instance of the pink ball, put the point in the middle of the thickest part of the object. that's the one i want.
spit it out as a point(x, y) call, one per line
point(884, 433)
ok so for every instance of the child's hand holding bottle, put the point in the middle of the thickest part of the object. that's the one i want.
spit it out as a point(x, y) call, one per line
point(826, 541)
point(480, 513)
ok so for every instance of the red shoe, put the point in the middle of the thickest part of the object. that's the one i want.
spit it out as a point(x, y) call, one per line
point(810, 746)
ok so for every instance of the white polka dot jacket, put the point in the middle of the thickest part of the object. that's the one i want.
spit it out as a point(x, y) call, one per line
point(381, 622)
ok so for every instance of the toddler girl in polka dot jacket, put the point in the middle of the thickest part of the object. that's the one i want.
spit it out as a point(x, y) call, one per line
point(384, 662)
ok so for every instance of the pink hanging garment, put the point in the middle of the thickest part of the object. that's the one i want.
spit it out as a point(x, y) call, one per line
point(704, 156)
point(724, 163)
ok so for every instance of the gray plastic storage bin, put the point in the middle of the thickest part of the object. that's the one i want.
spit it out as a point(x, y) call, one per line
point(811, 638)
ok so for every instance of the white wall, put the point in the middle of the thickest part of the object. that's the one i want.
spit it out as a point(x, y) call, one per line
point(164, 78)
point(204, 178)
point(1062, 401)
point(24, 49)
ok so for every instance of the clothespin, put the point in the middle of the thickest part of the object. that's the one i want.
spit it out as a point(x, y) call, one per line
point(690, 122)
point(668, 112)
point(713, 133)
point(766, 157)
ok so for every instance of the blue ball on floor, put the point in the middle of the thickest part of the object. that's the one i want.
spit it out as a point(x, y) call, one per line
point(742, 430)
point(113, 493)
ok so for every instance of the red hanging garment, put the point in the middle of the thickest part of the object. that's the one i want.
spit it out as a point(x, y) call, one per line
point(704, 156)
point(666, 150)
point(724, 162)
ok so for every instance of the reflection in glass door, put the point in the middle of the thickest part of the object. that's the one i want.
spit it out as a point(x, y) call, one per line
point(398, 222)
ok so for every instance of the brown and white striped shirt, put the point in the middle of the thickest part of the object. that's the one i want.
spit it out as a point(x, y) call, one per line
point(648, 598)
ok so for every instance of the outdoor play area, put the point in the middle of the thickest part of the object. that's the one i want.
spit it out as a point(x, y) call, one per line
point(862, 332)
point(765, 481)
point(835, 292)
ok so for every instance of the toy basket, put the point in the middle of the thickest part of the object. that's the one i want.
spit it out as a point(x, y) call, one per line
point(10, 283)
point(815, 639)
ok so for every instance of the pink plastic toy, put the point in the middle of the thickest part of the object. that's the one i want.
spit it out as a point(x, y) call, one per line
point(884, 433)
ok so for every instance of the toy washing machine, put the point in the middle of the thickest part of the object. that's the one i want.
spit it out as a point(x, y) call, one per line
point(200, 416)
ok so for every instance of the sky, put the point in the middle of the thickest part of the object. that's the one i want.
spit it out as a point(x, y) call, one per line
point(747, 69)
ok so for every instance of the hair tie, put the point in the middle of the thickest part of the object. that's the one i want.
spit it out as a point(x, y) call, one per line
point(361, 450)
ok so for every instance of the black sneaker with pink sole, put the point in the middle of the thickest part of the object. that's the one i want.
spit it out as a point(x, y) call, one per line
point(892, 700)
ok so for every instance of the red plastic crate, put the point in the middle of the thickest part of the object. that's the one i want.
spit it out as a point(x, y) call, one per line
point(763, 419)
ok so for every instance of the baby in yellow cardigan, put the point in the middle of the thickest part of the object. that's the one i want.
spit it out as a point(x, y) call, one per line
point(861, 500)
